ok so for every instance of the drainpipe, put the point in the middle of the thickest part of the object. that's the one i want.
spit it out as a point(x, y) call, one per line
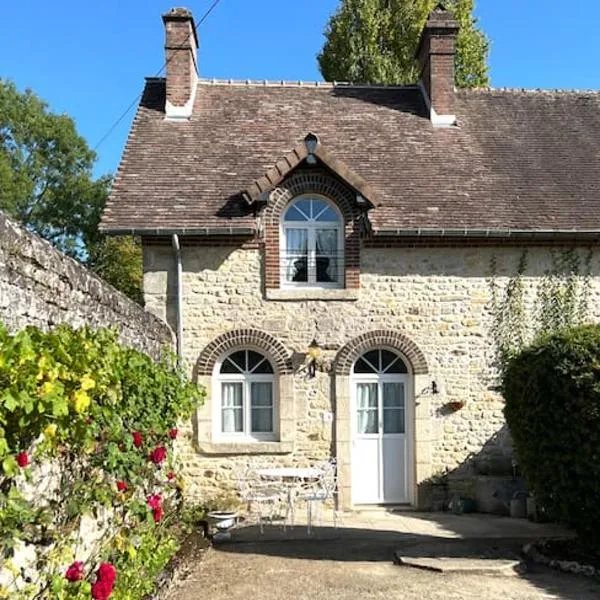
point(178, 296)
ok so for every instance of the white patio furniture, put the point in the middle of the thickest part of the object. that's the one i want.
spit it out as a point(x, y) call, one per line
point(262, 498)
point(318, 492)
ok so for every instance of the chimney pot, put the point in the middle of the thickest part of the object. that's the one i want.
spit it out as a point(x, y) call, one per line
point(181, 53)
point(435, 53)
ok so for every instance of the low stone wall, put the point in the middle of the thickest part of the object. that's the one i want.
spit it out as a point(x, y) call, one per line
point(41, 286)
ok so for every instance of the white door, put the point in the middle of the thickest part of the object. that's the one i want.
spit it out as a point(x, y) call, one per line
point(380, 450)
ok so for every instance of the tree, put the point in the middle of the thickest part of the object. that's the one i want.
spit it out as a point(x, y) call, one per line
point(374, 41)
point(46, 182)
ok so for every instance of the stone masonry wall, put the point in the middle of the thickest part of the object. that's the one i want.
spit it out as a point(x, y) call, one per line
point(437, 297)
point(41, 286)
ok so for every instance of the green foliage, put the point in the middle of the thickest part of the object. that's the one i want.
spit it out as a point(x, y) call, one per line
point(118, 260)
point(374, 41)
point(76, 397)
point(560, 300)
point(552, 392)
point(46, 183)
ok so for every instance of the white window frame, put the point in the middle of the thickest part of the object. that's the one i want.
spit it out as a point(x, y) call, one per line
point(247, 379)
point(312, 227)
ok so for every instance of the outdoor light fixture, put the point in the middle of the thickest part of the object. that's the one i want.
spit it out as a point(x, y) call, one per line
point(314, 351)
point(434, 388)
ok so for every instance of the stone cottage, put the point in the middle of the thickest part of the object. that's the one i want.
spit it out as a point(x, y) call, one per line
point(327, 255)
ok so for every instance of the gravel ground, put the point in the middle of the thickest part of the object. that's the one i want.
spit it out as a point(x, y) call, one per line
point(350, 570)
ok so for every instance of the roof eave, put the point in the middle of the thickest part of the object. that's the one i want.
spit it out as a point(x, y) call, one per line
point(588, 234)
point(184, 231)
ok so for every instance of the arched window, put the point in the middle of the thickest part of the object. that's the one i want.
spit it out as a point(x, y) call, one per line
point(245, 384)
point(380, 382)
point(312, 244)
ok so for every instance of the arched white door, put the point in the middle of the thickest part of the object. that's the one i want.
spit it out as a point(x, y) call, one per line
point(380, 429)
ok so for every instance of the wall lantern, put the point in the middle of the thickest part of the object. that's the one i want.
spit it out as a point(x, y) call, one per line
point(434, 388)
point(314, 352)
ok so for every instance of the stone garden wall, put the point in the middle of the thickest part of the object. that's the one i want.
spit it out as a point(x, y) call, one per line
point(438, 298)
point(41, 286)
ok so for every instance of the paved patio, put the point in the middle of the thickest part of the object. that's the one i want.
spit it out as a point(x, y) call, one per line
point(356, 561)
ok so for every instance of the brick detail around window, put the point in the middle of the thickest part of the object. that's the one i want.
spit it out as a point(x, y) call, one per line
point(323, 184)
point(377, 339)
point(244, 338)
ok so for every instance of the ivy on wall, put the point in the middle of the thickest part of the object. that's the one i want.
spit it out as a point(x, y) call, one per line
point(87, 428)
point(559, 300)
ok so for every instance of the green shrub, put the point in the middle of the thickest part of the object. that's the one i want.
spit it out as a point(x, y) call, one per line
point(107, 416)
point(552, 393)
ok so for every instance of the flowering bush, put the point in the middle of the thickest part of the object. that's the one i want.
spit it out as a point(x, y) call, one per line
point(80, 400)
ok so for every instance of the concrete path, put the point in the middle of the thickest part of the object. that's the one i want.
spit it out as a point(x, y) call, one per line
point(356, 561)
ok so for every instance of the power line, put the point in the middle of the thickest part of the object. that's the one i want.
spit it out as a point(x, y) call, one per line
point(159, 72)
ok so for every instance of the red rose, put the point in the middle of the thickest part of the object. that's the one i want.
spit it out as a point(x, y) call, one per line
point(75, 571)
point(158, 455)
point(106, 572)
point(170, 475)
point(121, 486)
point(22, 459)
point(154, 501)
point(102, 589)
point(173, 433)
point(137, 439)
point(157, 513)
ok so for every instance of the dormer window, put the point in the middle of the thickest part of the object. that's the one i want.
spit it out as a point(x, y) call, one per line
point(312, 244)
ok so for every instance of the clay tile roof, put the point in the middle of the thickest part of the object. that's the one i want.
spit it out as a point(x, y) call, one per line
point(518, 160)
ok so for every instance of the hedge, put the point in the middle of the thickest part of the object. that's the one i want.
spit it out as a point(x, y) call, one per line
point(552, 393)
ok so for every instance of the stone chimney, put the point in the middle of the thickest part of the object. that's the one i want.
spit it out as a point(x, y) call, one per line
point(181, 49)
point(435, 54)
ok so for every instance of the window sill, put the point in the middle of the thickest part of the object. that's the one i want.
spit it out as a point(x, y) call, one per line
point(246, 447)
point(312, 294)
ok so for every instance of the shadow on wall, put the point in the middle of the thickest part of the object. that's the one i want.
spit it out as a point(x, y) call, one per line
point(485, 481)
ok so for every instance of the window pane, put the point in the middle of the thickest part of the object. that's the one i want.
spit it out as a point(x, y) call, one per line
point(230, 367)
point(327, 215)
point(238, 359)
point(393, 395)
point(367, 414)
point(264, 368)
point(262, 420)
point(253, 359)
point(296, 257)
point(363, 367)
point(232, 412)
point(262, 394)
point(392, 363)
point(262, 407)
point(299, 211)
point(372, 357)
point(327, 255)
point(393, 420)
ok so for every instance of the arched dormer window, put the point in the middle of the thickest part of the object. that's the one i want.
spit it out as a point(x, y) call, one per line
point(312, 244)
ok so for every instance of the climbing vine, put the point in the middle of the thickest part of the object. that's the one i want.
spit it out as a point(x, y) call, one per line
point(560, 299)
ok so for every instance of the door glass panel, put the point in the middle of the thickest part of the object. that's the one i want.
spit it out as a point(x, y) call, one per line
point(232, 411)
point(393, 408)
point(367, 412)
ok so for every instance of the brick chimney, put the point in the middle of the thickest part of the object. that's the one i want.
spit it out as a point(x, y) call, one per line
point(435, 54)
point(181, 49)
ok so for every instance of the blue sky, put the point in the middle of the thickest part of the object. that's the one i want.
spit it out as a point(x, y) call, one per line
point(88, 59)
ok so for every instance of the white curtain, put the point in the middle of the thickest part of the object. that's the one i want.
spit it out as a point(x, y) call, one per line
point(327, 255)
point(296, 259)
point(366, 408)
point(262, 407)
point(232, 410)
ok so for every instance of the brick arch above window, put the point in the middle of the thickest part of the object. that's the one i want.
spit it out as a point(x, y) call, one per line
point(305, 183)
point(244, 338)
point(348, 355)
